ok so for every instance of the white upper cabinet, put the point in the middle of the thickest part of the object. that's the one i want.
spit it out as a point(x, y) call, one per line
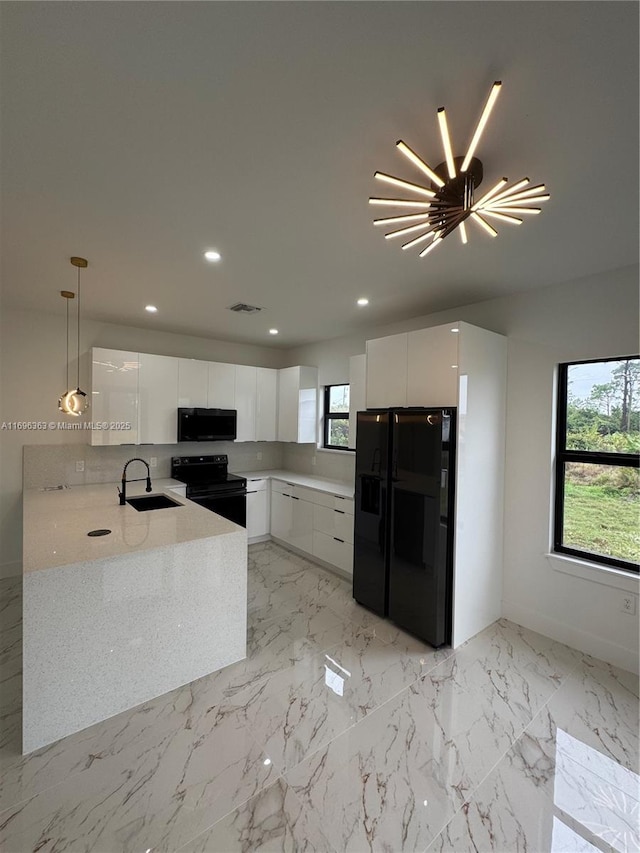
point(114, 381)
point(432, 366)
point(158, 399)
point(266, 404)
point(387, 372)
point(245, 402)
point(222, 386)
point(357, 393)
point(193, 381)
point(414, 369)
point(297, 404)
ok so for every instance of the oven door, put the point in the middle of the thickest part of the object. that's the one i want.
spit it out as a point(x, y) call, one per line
point(230, 504)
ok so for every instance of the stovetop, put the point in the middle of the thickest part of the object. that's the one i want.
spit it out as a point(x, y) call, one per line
point(205, 472)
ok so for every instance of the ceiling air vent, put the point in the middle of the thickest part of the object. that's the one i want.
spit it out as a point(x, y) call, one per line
point(243, 308)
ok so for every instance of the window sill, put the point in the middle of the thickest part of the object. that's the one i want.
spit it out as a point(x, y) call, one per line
point(605, 575)
point(332, 450)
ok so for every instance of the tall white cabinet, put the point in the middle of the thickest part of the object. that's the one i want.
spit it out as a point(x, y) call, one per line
point(297, 404)
point(158, 399)
point(459, 365)
point(115, 377)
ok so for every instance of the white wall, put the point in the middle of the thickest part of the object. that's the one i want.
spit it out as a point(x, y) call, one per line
point(33, 375)
point(588, 318)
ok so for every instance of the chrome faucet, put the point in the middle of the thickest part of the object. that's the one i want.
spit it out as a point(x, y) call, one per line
point(123, 494)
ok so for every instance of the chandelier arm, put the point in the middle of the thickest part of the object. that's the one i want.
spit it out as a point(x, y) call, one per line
point(419, 162)
point(484, 117)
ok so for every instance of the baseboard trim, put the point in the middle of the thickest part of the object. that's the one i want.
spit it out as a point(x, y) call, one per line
point(585, 641)
point(11, 570)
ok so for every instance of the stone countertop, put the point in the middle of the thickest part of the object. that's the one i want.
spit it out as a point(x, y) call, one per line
point(56, 524)
point(320, 484)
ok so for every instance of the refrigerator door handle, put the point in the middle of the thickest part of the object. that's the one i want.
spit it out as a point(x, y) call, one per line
point(443, 478)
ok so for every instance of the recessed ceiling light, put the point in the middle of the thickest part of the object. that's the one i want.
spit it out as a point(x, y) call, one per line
point(212, 256)
point(273, 331)
point(363, 301)
point(150, 308)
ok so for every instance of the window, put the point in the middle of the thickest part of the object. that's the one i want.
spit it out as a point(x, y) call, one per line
point(597, 461)
point(336, 417)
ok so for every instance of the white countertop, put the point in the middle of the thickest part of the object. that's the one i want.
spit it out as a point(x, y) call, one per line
point(56, 524)
point(320, 484)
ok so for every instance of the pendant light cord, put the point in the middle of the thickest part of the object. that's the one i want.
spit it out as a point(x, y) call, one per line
point(67, 301)
point(78, 374)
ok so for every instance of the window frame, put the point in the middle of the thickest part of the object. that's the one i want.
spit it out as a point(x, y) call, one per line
point(328, 416)
point(563, 455)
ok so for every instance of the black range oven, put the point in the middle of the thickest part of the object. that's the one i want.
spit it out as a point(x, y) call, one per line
point(210, 485)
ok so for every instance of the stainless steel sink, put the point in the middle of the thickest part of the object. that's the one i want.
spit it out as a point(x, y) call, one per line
point(143, 503)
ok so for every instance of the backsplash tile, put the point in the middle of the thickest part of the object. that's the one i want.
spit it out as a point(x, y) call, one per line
point(55, 464)
point(338, 466)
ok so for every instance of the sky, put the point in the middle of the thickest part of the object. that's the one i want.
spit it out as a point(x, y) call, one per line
point(584, 376)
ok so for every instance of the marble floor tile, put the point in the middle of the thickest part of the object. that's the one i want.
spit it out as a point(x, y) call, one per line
point(339, 732)
point(303, 708)
point(273, 821)
point(162, 792)
point(569, 782)
point(378, 787)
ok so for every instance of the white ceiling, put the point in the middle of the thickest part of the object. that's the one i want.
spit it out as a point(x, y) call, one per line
point(140, 134)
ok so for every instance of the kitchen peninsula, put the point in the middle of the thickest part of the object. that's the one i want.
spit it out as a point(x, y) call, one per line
point(113, 620)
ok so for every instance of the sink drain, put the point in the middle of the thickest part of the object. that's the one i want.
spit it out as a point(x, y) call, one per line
point(100, 532)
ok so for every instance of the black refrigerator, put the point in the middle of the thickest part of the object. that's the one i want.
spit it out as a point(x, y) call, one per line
point(404, 511)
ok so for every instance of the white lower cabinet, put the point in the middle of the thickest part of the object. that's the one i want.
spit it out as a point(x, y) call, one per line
point(333, 522)
point(257, 509)
point(317, 522)
point(333, 550)
point(281, 515)
point(302, 525)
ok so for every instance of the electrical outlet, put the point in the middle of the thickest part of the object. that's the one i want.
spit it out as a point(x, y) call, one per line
point(153, 462)
point(259, 456)
point(313, 460)
point(628, 604)
point(79, 466)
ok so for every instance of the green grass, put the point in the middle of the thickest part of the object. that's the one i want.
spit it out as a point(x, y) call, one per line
point(600, 520)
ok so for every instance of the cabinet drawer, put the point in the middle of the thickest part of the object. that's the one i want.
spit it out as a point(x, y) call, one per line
point(344, 504)
point(306, 494)
point(256, 485)
point(282, 487)
point(332, 551)
point(333, 522)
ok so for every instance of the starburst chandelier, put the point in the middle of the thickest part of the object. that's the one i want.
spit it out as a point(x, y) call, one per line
point(448, 201)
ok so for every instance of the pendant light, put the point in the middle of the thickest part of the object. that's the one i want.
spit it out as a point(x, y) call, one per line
point(74, 401)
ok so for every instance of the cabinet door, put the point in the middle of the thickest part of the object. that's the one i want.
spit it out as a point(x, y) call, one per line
point(158, 400)
point(193, 379)
point(288, 383)
point(281, 516)
point(114, 382)
point(266, 404)
point(257, 513)
point(333, 522)
point(307, 405)
point(432, 377)
point(302, 525)
point(387, 372)
point(357, 393)
point(245, 402)
point(333, 550)
point(222, 386)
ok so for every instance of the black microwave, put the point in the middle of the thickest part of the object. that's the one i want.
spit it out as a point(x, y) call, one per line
point(207, 424)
